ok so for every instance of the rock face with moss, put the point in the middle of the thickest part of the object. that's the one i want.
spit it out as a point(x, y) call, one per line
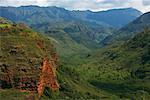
point(21, 55)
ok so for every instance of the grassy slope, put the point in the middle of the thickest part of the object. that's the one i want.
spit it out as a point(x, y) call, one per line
point(20, 50)
point(119, 70)
point(25, 40)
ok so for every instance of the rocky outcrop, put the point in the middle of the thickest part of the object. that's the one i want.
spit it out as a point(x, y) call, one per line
point(21, 55)
point(47, 77)
point(19, 78)
point(35, 81)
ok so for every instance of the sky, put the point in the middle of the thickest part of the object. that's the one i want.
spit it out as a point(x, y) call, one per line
point(94, 5)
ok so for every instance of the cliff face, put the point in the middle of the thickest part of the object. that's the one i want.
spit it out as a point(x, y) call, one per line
point(47, 77)
point(25, 81)
point(21, 55)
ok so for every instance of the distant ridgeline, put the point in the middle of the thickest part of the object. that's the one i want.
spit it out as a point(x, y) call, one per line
point(130, 30)
point(37, 15)
point(28, 60)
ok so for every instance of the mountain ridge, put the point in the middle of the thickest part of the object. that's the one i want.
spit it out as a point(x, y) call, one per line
point(73, 15)
point(129, 30)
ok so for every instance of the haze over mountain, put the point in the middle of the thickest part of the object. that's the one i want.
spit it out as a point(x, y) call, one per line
point(138, 24)
point(37, 15)
point(129, 30)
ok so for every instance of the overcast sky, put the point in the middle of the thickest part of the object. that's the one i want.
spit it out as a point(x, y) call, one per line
point(94, 5)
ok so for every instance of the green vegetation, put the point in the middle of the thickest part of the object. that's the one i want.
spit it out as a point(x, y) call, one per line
point(74, 37)
point(130, 30)
point(4, 25)
point(12, 94)
point(118, 71)
point(122, 71)
point(22, 51)
point(20, 44)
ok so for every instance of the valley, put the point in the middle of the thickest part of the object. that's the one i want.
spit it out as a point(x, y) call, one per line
point(53, 53)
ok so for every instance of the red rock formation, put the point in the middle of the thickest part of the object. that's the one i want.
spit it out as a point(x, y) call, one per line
point(34, 81)
point(47, 77)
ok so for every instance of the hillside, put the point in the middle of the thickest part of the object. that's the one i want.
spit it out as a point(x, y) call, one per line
point(121, 70)
point(138, 25)
point(22, 55)
point(74, 37)
point(129, 30)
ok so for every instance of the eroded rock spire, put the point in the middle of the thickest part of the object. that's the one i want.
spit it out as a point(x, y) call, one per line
point(47, 77)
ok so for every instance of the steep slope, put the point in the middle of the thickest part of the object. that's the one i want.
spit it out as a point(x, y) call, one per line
point(133, 54)
point(137, 25)
point(66, 45)
point(47, 77)
point(130, 29)
point(141, 44)
point(37, 15)
point(123, 70)
point(21, 55)
point(74, 37)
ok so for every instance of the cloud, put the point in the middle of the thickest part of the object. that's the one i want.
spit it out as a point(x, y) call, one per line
point(94, 5)
point(115, 2)
point(17, 2)
point(146, 2)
